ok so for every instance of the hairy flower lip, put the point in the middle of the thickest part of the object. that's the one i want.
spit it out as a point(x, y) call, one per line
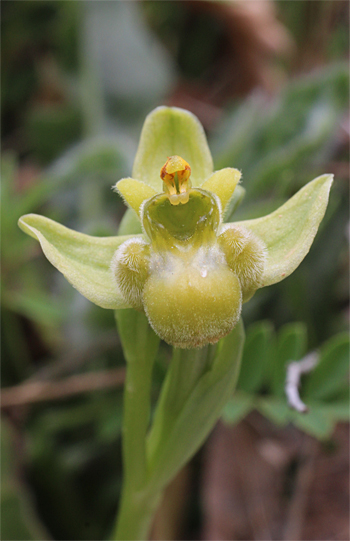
point(85, 261)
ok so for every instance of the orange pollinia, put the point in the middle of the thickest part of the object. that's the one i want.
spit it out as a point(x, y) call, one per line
point(175, 174)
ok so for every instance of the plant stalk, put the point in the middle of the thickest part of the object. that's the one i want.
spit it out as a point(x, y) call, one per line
point(138, 504)
point(135, 512)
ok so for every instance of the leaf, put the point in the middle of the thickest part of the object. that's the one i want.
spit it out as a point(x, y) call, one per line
point(317, 422)
point(339, 409)
point(99, 157)
point(236, 134)
point(238, 407)
point(256, 138)
point(82, 259)
point(174, 440)
point(170, 131)
point(35, 305)
point(255, 356)
point(291, 346)
point(274, 409)
point(330, 375)
point(288, 232)
point(18, 520)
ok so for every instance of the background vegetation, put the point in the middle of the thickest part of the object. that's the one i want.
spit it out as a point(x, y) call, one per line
point(269, 81)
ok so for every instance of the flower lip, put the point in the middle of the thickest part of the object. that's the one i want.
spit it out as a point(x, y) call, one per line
point(161, 217)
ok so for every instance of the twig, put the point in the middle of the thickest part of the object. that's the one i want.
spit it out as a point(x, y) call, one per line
point(39, 391)
point(294, 372)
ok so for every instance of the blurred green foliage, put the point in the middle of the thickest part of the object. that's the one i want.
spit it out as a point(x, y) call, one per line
point(261, 383)
point(70, 458)
point(18, 517)
point(280, 144)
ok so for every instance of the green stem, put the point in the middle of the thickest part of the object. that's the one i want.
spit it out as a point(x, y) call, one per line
point(135, 515)
point(186, 368)
point(137, 503)
point(197, 386)
point(136, 419)
point(137, 506)
point(140, 495)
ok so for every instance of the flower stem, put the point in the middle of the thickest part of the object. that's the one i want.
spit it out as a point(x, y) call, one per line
point(135, 515)
point(137, 503)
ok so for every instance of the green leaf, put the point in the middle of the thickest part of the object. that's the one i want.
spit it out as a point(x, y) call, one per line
point(98, 157)
point(82, 259)
point(238, 407)
point(255, 356)
point(18, 520)
point(317, 422)
point(339, 408)
point(256, 138)
point(181, 425)
point(35, 305)
point(289, 231)
point(170, 131)
point(274, 409)
point(330, 375)
point(291, 346)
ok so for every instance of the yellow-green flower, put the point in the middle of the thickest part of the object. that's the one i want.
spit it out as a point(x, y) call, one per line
point(194, 272)
point(187, 269)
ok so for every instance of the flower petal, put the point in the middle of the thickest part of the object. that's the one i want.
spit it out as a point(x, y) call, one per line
point(170, 131)
point(289, 231)
point(82, 259)
point(223, 184)
point(134, 192)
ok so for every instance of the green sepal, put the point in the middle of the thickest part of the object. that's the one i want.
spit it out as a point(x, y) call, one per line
point(82, 259)
point(170, 131)
point(190, 404)
point(288, 232)
point(234, 203)
point(130, 224)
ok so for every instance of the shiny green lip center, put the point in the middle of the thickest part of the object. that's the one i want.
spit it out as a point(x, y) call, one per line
point(181, 222)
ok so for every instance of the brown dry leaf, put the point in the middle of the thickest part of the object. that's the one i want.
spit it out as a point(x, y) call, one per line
point(261, 482)
point(243, 481)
